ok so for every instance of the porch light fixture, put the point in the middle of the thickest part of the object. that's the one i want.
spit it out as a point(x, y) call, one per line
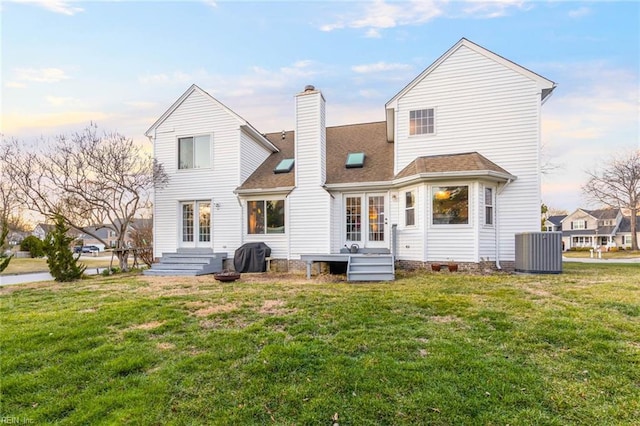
point(284, 166)
point(355, 160)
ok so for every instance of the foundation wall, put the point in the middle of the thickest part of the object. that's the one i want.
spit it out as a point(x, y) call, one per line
point(284, 265)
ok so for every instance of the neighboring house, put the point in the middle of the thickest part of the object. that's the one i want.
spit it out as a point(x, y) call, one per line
point(41, 230)
point(103, 232)
point(591, 228)
point(15, 237)
point(108, 234)
point(452, 173)
point(623, 236)
point(554, 223)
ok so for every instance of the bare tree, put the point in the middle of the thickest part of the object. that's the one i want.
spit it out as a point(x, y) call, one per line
point(617, 185)
point(88, 179)
point(8, 204)
point(142, 238)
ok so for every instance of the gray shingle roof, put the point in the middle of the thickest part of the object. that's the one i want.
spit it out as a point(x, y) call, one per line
point(603, 213)
point(625, 224)
point(556, 219)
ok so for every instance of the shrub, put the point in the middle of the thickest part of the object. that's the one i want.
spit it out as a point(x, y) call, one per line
point(62, 263)
point(110, 271)
point(33, 245)
point(4, 258)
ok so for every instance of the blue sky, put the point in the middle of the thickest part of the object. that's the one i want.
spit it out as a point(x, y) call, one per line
point(122, 64)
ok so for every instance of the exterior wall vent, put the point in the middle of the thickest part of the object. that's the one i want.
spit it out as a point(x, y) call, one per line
point(539, 252)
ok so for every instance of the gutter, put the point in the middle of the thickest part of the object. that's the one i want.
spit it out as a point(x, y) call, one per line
point(422, 177)
point(265, 191)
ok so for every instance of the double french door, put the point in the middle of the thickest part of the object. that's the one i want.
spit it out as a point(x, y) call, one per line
point(365, 220)
point(195, 229)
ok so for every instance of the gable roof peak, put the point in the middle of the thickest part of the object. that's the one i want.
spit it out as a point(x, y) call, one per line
point(244, 124)
point(546, 85)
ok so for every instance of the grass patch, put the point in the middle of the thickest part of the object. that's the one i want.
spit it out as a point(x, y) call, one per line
point(29, 265)
point(618, 254)
point(425, 349)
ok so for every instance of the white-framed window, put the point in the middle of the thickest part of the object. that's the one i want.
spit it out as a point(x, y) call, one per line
point(410, 208)
point(265, 217)
point(582, 241)
point(450, 205)
point(354, 218)
point(626, 240)
point(488, 206)
point(579, 224)
point(422, 122)
point(194, 152)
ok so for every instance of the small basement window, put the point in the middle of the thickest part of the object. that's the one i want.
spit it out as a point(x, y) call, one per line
point(355, 160)
point(284, 166)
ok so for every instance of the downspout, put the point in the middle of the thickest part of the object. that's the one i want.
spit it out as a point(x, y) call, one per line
point(242, 222)
point(497, 227)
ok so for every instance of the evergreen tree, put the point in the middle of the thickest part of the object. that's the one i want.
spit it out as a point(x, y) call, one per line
point(4, 259)
point(63, 265)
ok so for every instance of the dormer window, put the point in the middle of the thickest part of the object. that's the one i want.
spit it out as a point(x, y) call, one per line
point(284, 166)
point(422, 122)
point(355, 160)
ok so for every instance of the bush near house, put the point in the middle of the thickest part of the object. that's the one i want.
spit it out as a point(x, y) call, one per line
point(33, 245)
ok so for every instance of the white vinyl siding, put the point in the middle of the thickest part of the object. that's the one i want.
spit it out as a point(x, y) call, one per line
point(198, 115)
point(486, 107)
point(252, 154)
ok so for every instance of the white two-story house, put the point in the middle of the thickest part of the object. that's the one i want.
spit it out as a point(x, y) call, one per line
point(453, 173)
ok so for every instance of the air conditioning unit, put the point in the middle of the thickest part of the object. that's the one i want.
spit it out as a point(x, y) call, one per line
point(539, 252)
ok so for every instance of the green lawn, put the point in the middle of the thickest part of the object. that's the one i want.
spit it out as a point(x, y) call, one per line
point(620, 254)
point(426, 349)
point(28, 265)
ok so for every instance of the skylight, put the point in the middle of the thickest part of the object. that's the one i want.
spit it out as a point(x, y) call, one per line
point(355, 160)
point(284, 166)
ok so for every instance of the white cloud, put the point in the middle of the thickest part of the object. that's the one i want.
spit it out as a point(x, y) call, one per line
point(580, 12)
point(141, 104)
point(154, 79)
point(41, 75)
point(56, 6)
point(15, 85)
point(491, 9)
point(373, 33)
point(380, 67)
point(379, 15)
point(59, 101)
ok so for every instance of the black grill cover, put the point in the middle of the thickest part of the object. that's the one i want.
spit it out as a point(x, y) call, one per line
point(250, 257)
